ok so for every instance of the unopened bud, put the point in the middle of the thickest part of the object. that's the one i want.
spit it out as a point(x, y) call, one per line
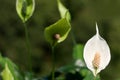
point(57, 36)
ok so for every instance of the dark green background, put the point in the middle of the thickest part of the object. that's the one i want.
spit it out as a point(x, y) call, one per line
point(84, 13)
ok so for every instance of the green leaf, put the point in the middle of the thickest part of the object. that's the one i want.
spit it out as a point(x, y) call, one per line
point(60, 78)
point(67, 68)
point(78, 52)
point(6, 74)
point(57, 32)
point(25, 9)
point(84, 71)
point(63, 11)
point(90, 76)
point(2, 61)
point(10, 70)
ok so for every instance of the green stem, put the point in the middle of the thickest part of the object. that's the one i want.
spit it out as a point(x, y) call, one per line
point(28, 47)
point(73, 38)
point(95, 78)
point(53, 64)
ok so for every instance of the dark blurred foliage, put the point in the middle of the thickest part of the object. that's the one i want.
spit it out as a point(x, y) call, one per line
point(84, 13)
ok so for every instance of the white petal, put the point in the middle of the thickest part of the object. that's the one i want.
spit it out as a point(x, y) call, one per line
point(96, 45)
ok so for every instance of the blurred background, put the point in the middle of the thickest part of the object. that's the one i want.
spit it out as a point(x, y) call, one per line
point(84, 13)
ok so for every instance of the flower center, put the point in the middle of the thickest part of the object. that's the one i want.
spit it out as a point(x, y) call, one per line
point(96, 60)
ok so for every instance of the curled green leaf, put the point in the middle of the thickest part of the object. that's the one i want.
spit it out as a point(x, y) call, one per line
point(63, 11)
point(6, 73)
point(57, 32)
point(25, 9)
point(10, 70)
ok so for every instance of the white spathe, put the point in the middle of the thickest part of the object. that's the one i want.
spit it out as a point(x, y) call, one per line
point(96, 53)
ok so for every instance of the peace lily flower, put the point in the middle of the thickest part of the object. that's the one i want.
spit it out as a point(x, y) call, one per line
point(96, 53)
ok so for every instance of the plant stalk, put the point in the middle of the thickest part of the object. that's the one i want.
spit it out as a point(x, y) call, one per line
point(28, 47)
point(73, 38)
point(53, 64)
